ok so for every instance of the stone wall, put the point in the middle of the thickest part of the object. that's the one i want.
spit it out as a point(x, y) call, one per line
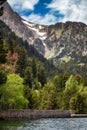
point(34, 114)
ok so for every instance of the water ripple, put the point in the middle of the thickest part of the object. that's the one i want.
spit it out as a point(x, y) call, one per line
point(46, 124)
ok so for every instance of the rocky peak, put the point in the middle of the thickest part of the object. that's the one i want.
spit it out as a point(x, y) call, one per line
point(14, 21)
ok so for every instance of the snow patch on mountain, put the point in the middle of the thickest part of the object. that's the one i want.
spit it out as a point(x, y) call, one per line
point(27, 23)
point(40, 33)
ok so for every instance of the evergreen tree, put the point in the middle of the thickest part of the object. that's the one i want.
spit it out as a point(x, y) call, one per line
point(2, 48)
point(3, 76)
point(28, 77)
point(59, 81)
point(41, 75)
point(71, 90)
point(1, 9)
point(22, 60)
point(77, 103)
point(34, 68)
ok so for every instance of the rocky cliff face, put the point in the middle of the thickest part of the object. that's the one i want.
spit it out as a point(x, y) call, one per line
point(62, 42)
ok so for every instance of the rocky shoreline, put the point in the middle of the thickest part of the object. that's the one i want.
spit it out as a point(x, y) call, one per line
point(78, 115)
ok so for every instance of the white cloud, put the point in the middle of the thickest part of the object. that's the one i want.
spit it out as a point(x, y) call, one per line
point(73, 10)
point(23, 4)
point(48, 19)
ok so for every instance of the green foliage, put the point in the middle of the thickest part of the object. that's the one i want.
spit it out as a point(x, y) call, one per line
point(84, 96)
point(3, 76)
point(41, 75)
point(12, 94)
point(28, 78)
point(59, 81)
point(77, 103)
point(33, 97)
point(11, 44)
point(71, 86)
point(22, 61)
point(70, 90)
point(35, 75)
point(34, 68)
point(74, 96)
point(3, 50)
point(48, 96)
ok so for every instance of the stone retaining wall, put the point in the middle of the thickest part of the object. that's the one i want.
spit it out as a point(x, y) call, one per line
point(79, 115)
point(34, 114)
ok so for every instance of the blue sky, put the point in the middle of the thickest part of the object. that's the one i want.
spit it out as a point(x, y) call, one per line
point(49, 12)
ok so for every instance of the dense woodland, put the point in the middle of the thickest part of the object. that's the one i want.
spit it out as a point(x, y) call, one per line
point(29, 81)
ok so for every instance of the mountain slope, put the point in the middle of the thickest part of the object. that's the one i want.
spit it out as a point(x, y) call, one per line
point(15, 44)
point(65, 44)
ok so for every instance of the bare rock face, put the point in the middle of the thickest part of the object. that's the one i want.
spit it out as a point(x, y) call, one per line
point(38, 44)
point(68, 39)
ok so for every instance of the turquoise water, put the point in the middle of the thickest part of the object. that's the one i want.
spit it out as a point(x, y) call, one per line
point(46, 124)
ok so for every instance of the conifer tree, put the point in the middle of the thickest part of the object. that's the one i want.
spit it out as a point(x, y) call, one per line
point(1, 8)
point(2, 48)
point(3, 76)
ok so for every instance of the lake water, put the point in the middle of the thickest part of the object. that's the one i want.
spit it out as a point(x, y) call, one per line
point(46, 124)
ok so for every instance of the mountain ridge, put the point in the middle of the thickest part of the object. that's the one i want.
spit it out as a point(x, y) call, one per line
point(44, 38)
point(65, 44)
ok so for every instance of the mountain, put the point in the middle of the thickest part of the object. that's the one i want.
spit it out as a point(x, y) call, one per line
point(65, 44)
point(26, 30)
